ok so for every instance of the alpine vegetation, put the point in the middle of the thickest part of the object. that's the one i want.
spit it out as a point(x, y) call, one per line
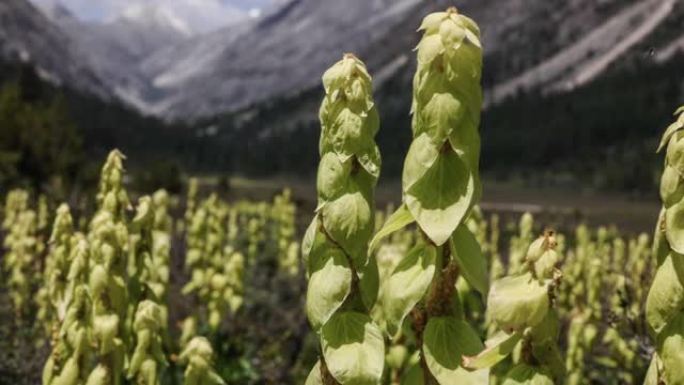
point(441, 185)
point(147, 360)
point(23, 248)
point(146, 316)
point(216, 268)
point(54, 296)
point(343, 280)
point(198, 357)
point(521, 305)
point(108, 241)
point(208, 289)
point(665, 301)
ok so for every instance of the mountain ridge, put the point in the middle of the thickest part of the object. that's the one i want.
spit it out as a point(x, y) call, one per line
point(155, 64)
point(26, 35)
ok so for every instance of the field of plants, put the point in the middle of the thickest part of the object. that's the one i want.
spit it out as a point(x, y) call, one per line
point(147, 288)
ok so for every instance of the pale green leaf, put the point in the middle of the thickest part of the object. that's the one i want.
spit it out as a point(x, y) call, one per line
point(331, 180)
point(670, 346)
point(469, 24)
point(674, 227)
point(669, 131)
point(369, 283)
point(516, 303)
point(429, 48)
point(546, 264)
point(432, 21)
point(522, 374)
point(441, 198)
point(349, 221)
point(445, 341)
point(329, 283)
point(426, 84)
point(308, 241)
point(354, 349)
point(408, 283)
point(368, 155)
point(660, 248)
point(675, 152)
point(441, 116)
point(666, 297)
point(465, 141)
point(397, 221)
point(473, 38)
point(671, 186)
point(346, 133)
point(335, 76)
point(463, 71)
point(452, 33)
point(473, 265)
point(314, 377)
point(421, 156)
point(497, 348)
point(652, 373)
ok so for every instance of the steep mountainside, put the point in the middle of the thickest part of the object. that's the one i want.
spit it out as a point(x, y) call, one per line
point(584, 82)
point(283, 53)
point(26, 35)
point(115, 49)
point(554, 45)
point(570, 131)
point(150, 58)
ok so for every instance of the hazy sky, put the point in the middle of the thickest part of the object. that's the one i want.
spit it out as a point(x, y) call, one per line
point(200, 14)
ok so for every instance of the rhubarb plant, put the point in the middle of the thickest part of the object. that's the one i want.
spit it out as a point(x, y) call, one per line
point(108, 239)
point(441, 186)
point(198, 357)
point(343, 280)
point(53, 296)
point(665, 301)
point(521, 305)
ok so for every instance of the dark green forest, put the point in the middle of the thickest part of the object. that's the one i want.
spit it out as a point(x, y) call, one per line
point(48, 136)
point(601, 136)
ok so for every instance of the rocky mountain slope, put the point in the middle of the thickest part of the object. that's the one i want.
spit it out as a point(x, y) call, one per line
point(27, 35)
point(529, 44)
point(154, 62)
point(116, 48)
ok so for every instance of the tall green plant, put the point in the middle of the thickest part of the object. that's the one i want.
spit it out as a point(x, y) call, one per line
point(343, 280)
point(198, 356)
point(441, 185)
point(108, 239)
point(21, 261)
point(159, 270)
point(71, 355)
point(665, 301)
point(53, 295)
point(521, 305)
point(16, 202)
point(147, 360)
point(146, 315)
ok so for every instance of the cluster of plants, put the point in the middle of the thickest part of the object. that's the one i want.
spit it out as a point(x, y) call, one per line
point(203, 290)
point(92, 293)
point(433, 283)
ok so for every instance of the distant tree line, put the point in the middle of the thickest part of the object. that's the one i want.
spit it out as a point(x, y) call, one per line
point(52, 138)
point(601, 135)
